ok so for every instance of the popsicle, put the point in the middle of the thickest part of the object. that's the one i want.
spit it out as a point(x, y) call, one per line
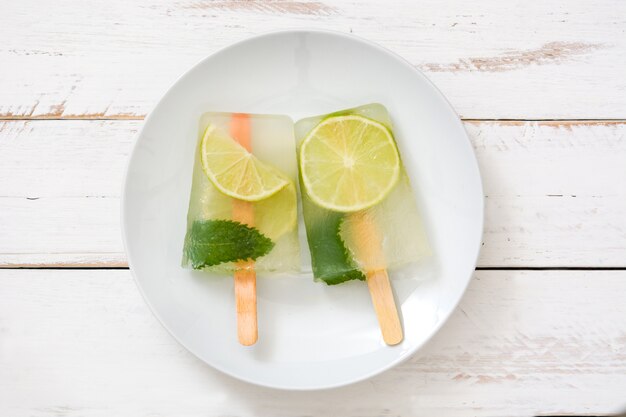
point(360, 213)
point(242, 216)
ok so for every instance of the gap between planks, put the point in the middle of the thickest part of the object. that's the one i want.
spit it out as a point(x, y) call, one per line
point(80, 267)
point(123, 117)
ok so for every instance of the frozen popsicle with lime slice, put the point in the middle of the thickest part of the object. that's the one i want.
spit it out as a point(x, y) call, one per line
point(360, 212)
point(242, 216)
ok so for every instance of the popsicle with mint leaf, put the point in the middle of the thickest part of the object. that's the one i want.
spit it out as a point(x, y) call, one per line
point(360, 212)
point(242, 216)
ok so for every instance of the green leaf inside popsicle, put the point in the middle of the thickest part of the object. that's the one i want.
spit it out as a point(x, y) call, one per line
point(212, 242)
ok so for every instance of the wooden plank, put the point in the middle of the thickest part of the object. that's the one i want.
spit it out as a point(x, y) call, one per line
point(83, 343)
point(64, 159)
point(114, 59)
point(77, 232)
point(555, 192)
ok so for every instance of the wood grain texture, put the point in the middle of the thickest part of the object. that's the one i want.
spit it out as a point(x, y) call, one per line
point(555, 192)
point(77, 343)
point(537, 60)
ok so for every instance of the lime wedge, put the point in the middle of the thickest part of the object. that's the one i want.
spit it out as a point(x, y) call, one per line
point(349, 163)
point(235, 171)
point(278, 214)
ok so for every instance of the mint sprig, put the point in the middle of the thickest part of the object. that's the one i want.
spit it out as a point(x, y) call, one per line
point(213, 242)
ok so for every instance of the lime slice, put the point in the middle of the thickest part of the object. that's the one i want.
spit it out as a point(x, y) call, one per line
point(235, 171)
point(278, 214)
point(349, 163)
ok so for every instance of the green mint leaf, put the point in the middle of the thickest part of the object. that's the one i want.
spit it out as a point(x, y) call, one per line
point(212, 242)
point(330, 259)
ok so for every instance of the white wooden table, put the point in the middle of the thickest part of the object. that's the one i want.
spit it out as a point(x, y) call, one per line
point(542, 89)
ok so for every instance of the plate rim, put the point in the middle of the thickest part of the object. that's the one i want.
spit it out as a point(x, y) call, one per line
point(392, 55)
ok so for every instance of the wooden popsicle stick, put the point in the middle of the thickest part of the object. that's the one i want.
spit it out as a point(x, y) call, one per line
point(385, 306)
point(244, 276)
point(245, 300)
point(367, 239)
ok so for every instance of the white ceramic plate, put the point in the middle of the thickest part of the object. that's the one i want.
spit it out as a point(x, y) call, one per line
point(311, 336)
